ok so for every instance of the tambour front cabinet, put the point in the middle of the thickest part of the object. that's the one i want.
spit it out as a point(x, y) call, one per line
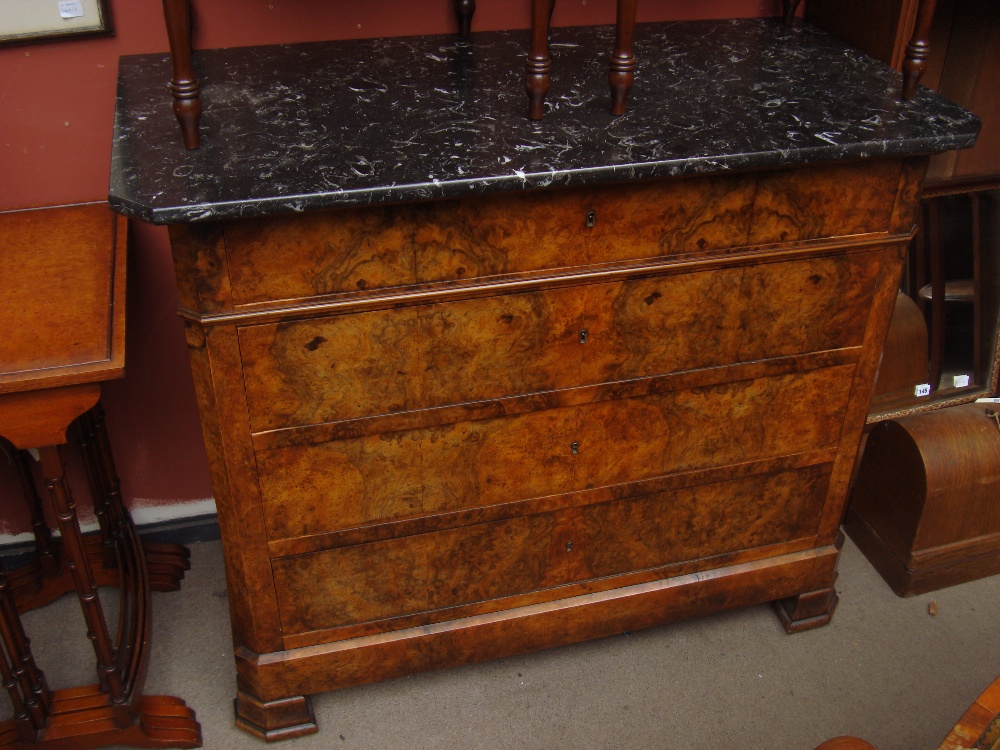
point(579, 378)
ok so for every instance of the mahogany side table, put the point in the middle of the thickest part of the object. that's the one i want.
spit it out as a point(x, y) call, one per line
point(62, 304)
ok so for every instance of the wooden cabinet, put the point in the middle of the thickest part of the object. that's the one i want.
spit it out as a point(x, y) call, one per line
point(450, 431)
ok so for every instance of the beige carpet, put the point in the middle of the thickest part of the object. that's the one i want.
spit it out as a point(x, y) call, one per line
point(884, 669)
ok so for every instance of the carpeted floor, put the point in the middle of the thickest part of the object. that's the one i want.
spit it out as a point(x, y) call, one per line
point(884, 669)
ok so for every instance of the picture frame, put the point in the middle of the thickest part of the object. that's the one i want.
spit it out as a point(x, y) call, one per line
point(26, 21)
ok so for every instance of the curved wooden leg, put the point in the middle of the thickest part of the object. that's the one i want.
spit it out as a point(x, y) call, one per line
point(539, 64)
point(622, 73)
point(101, 489)
point(108, 669)
point(918, 48)
point(45, 550)
point(166, 563)
point(184, 86)
point(788, 10)
point(24, 681)
point(464, 11)
point(279, 719)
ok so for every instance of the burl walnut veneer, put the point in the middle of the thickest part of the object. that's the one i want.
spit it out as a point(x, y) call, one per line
point(456, 430)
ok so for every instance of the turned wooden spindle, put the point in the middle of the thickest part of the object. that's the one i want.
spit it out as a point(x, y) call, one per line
point(464, 11)
point(184, 85)
point(108, 671)
point(918, 48)
point(539, 64)
point(622, 74)
point(107, 519)
point(788, 10)
point(25, 729)
point(25, 673)
point(44, 549)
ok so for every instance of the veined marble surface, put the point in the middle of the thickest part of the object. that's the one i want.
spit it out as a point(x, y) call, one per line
point(318, 125)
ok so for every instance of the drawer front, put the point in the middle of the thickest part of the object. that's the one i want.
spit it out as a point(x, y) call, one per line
point(317, 253)
point(377, 478)
point(355, 250)
point(829, 201)
point(389, 361)
point(520, 233)
point(468, 565)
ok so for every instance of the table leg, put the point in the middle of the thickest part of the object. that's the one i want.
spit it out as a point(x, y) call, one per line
point(539, 64)
point(166, 563)
point(108, 673)
point(114, 711)
point(45, 579)
point(25, 730)
point(184, 85)
point(622, 73)
point(918, 48)
point(102, 489)
point(788, 10)
point(464, 11)
point(45, 551)
point(21, 676)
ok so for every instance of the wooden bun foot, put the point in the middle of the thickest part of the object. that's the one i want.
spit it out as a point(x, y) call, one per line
point(275, 720)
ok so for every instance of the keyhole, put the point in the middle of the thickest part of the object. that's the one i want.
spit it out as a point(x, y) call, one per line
point(575, 447)
point(569, 546)
point(583, 336)
point(591, 218)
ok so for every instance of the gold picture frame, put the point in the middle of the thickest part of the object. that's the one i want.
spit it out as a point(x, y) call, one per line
point(24, 21)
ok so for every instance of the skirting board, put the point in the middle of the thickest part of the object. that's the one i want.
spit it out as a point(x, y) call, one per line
point(200, 528)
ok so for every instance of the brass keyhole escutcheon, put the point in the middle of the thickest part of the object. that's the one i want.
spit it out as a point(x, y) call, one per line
point(575, 447)
point(591, 218)
point(569, 546)
point(584, 334)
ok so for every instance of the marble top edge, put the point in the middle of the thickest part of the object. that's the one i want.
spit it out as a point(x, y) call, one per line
point(307, 126)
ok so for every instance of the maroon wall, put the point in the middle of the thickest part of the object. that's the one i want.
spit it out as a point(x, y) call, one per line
point(56, 113)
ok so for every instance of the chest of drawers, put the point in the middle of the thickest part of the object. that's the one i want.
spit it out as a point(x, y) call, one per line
point(448, 431)
point(473, 387)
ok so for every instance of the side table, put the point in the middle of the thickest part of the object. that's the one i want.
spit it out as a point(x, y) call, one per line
point(62, 303)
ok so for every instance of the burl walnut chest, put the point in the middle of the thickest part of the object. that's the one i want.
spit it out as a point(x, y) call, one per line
point(576, 379)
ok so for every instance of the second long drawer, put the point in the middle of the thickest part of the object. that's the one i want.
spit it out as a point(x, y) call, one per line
point(339, 484)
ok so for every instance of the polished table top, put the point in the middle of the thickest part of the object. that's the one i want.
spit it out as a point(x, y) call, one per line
point(317, 125)
point(62, 297)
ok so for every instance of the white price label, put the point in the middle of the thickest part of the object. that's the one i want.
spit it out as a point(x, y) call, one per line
point(924, 389)
point(70, 8)
point(961, 381)
point(990, 400)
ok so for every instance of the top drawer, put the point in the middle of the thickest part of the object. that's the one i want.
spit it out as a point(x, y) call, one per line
point(356, 250)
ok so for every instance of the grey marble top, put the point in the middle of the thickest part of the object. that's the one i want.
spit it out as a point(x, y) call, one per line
point(317, 125)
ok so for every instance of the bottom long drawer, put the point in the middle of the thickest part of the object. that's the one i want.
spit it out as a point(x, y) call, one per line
point(458, 572)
